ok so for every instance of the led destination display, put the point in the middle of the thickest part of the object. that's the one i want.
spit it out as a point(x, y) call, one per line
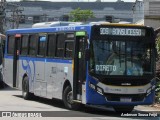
point(122, 31)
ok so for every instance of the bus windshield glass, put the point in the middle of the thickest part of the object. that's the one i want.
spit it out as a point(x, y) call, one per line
point(120, 57)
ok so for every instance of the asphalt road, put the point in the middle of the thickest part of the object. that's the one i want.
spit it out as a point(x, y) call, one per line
point(12, 104)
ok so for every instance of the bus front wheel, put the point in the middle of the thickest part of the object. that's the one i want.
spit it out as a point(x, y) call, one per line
point(68, 99)
point(123, 109)
point(25, 89)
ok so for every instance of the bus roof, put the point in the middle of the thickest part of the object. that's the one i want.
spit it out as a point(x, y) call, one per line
point(55, 24)
point(68, 28)
point(51, 29)
point(122, 24)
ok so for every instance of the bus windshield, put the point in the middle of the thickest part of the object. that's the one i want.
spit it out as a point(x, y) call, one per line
point(120, 57)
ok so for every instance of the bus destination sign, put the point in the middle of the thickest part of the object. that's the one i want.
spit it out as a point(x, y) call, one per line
point(122, 31)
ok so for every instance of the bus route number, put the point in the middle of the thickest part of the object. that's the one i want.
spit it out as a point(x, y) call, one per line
point(121, 31)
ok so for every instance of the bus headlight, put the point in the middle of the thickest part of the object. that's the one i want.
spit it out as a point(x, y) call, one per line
point(96, 88)
point(153, 87)
point(99, 90)
point(149, 90)
point(92, 86)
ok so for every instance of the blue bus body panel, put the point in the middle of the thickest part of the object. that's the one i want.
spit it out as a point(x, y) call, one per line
point(93, 97)
point(51, 29)
point(96, 99)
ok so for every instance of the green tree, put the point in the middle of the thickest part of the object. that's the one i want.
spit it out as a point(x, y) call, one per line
point(79, 15)
point(158, 43)
point(157, 97)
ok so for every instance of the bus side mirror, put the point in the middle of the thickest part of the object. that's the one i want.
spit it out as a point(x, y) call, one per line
point(87, 54)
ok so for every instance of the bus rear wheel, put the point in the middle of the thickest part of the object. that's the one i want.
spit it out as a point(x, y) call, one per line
point(25, 89)
point(68, 99)
point(123, 109)
point(2, 85)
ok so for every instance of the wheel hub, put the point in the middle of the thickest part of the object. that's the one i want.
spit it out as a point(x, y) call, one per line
point(70, 97)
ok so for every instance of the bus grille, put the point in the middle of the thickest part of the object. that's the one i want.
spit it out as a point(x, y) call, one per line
point(117, 97)
point(121, 82)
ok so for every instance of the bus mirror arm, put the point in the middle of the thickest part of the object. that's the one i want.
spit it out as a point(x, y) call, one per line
point(87, 54)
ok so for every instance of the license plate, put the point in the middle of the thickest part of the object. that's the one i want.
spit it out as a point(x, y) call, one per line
point(126, 99)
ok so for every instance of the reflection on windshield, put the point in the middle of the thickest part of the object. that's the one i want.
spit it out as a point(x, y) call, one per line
point(120, 58)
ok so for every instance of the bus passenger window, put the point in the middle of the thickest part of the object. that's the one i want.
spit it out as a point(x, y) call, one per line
point(60, 45)
point(32, 45)
point(10, 45)
point(51, 45)
point(24, 47)
point(69, 49)
point(41, 45)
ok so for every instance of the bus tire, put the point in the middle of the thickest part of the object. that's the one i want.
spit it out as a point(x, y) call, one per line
point(123, 109)
point(67, 99)
point(25, 89)
point(2, 85)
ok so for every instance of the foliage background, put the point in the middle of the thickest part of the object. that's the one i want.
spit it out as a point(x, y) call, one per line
point(157, 99)
point(79, 15)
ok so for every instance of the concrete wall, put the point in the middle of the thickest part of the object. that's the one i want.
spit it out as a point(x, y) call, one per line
point(155, 23)
point(138, 12)
point(152, 13)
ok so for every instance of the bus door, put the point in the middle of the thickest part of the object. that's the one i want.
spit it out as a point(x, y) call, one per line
point(16, 60)
point(79, 63)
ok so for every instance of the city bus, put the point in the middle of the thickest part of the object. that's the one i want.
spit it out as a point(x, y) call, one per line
point(2, 44)
point(104, 64)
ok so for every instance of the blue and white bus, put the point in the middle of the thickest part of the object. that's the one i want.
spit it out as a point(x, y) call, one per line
point(2, 45)
point(104, 64)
